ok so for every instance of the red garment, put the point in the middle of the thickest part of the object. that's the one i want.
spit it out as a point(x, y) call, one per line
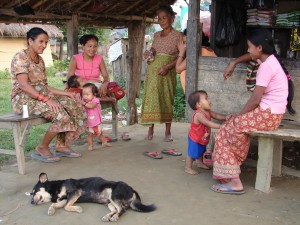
point(233, 140)
point(76, 90)
point(200, 133)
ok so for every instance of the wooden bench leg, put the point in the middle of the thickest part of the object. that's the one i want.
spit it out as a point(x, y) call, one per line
point(114, 123)
point(264, 164)
point(277, 158)
point(18, 139)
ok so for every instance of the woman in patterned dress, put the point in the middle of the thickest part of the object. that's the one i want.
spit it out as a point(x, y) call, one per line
point(160, 83)
point(30, 87)
point(273, 93)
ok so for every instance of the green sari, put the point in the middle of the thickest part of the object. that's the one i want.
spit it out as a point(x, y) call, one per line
point(159, 92)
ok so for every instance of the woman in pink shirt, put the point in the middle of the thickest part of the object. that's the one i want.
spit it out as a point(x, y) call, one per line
point(263, 111)
point(90, 65)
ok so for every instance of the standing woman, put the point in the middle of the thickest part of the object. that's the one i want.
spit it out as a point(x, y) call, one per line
point(160, 83)
point(264, 110)
point(30, 87)
point(90, 65)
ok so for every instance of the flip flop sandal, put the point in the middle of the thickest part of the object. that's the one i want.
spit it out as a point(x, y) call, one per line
point(228, 190)
point(109, 139)
point(172, 152)
point(153, 155)
point(45, 158)
point(69, 154)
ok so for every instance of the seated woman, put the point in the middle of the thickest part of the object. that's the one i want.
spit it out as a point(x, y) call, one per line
point(181, 60)
point(30, 87)
point(89, 65)
point(264, 110)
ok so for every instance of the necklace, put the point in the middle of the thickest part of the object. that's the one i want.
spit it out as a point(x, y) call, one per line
point(85, 78)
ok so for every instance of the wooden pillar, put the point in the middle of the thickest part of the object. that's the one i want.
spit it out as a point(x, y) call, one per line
point(136, 36)
point(72, 36)
point(193, 44)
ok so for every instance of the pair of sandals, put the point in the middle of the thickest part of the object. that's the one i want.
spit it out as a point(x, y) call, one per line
point(54, 157)
point(157, 155)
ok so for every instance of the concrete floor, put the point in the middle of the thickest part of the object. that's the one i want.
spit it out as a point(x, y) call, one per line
point(180, 198)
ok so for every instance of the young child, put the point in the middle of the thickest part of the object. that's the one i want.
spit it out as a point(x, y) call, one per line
point(93, 111)
point(75, 84)
point(199, 133)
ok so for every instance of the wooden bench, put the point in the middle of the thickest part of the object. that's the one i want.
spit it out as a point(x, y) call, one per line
point(269, 154)
point(21, 127)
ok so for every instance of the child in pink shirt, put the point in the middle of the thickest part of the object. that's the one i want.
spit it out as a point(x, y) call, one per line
point(93, 111)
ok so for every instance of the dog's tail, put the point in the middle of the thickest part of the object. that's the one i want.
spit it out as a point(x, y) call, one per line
point(137, 205)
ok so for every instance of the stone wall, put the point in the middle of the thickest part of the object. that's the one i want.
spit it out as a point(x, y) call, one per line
point(230, 96)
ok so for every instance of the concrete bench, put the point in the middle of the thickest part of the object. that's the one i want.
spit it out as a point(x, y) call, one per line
point(21, 127)
point(269, 154)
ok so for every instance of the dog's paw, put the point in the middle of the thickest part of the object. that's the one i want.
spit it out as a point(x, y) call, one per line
point(78, 209)
point(114, 218)
point(106, 218)
point(51, 211)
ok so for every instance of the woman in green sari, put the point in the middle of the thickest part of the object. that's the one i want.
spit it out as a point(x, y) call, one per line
point(160, 83)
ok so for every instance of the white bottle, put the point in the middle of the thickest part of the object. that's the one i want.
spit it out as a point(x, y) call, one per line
point(25, 111)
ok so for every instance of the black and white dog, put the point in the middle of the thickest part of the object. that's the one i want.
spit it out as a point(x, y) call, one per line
point(118, 196)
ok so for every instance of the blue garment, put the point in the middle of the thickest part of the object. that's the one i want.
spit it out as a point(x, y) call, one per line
point(195, 150)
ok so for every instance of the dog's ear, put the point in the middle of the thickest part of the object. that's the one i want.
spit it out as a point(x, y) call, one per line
point(43, 177)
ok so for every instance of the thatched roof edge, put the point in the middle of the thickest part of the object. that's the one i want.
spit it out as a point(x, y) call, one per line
point(20, 30)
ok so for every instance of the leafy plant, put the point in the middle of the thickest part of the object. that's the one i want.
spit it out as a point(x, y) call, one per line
point(4, 74)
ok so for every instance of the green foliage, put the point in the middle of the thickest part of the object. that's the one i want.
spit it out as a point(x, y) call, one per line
point(102, 34)
point(58, 66)
point(4, 74)
point(179, 102)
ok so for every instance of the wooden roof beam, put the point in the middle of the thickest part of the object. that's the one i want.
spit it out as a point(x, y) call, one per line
point(131, 7)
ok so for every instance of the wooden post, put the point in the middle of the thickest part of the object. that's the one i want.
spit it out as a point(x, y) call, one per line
point(72, 36)
point(136, 36)
point(193, 37)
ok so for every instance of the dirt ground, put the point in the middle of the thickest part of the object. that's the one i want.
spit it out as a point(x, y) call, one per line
point(180, 198)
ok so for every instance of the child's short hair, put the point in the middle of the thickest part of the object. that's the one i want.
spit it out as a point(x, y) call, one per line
point(73, 82)
point(93, 88)
point(194, 98)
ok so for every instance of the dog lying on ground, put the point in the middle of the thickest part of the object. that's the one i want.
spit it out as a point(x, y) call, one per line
point(118, 196)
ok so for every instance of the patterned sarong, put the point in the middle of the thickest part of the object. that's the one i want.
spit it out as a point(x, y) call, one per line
point(159, 92)
point(232, 141)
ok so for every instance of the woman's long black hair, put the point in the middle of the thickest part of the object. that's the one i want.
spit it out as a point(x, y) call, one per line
point(264, 38)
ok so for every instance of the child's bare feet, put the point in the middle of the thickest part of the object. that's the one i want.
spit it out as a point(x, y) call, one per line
point(91, 148)
point(190, 171)
point(106, 144)
point(201, 165)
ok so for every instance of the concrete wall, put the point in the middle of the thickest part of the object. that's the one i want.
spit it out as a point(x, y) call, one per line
point(230, 96)
point(10, 46)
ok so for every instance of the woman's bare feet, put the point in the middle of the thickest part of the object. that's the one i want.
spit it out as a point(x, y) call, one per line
point(90, 147)
point(45, 152)
point(201, 165)
point(225, 181)
point(150, 134)
point(190, 171)
point(106, 144)
point(234, 184)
